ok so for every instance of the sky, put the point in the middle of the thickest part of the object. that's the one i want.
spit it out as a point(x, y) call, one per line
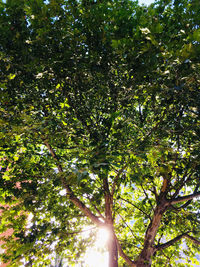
point(147, 2)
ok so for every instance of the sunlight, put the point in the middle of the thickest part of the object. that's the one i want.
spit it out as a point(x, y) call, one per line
point(102, 237)
point(96, 258)
point(98, 255)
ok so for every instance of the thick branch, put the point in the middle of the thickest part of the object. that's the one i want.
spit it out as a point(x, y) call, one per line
point(185, 198)
point(176, 239)
point(169, 243)
point(189, 201)
point(197, 242)
point(185, 205)
point(165, 185)
point(70, 193)
point(108, 200)
point(148, 250)
point(84, 209)
point(154, 192)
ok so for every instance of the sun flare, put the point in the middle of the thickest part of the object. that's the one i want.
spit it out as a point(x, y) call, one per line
point(102, 237)
point(98, 256)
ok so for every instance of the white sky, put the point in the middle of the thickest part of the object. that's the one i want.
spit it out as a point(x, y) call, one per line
point(147, 2)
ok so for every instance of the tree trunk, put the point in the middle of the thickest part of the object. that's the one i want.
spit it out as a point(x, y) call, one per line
point(112, 250)
point(112, 242)
point(145, 257)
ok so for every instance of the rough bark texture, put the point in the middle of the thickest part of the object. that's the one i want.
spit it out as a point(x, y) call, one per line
point(112, 243)
point(112, 249)
point(144, 259)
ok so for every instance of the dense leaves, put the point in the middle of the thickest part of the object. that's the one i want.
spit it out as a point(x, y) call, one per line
point(100, 126)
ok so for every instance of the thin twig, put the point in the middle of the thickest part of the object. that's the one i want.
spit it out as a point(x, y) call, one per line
point(77, 202)
point(98, 211)
point(123, 255)
point(79, 232)
point(116, 180)
point(136, 207)
point(127, 225)
point(147, 197)
point(184, 181)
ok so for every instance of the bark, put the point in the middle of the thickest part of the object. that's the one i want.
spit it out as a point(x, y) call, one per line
point(144, 259)
point(176, 239)
point(170, 243)
point(112, 249)
point(185, 198)
point(194, 240)
point(149, 248)
point(112, 244)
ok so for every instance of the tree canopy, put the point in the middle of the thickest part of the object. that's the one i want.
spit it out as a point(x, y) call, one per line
point(100, 127)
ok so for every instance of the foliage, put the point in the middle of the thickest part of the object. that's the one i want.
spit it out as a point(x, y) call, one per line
point(100, 98)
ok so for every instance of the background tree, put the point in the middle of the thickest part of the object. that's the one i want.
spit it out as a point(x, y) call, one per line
point(101, 99)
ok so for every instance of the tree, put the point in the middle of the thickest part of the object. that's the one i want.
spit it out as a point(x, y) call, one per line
point(100, 100)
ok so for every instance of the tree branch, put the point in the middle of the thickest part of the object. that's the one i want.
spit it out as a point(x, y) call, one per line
point(165, 185)
point(176, 239)
point(77, 232)
point(116, 180)
point(123, 255)
point(136, 207)
point(127, 225)
point(147, 197)
point(169, 243)
point(108, 200)
point(97, 210)
point(185, 198)
point(154, 192)
point(78, 203)
point(197, 242)
point(189, 201)
point(183, 182)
